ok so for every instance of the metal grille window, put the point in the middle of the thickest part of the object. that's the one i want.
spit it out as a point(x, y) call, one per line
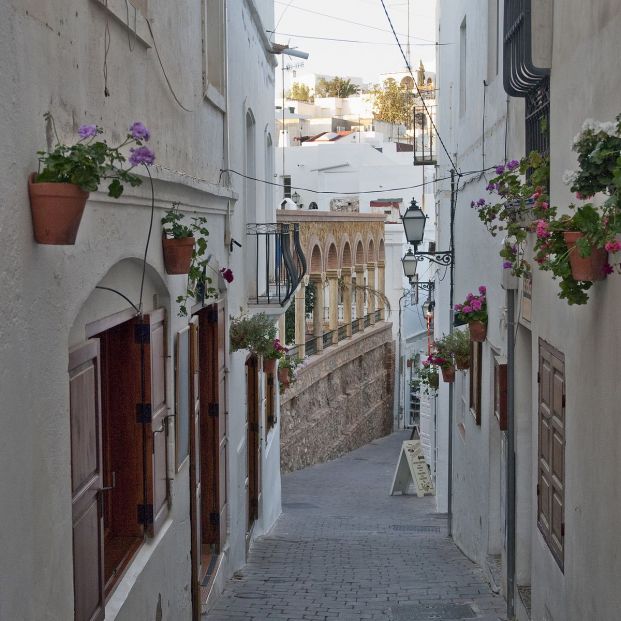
point(286, 181)
point(538, 118)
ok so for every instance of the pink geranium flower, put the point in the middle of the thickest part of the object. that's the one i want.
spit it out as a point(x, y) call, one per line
point(613, 246)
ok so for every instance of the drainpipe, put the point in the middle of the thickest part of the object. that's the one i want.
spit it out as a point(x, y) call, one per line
point(511, 518)
point(398, 367)
point(451, 385)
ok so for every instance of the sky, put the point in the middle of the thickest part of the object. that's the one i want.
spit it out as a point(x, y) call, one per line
point(374, 51)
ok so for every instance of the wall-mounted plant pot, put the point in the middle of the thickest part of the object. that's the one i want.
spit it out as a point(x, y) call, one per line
point(589, 268)
point(462, 364)
point(448, 374)
point(478, 331)
point(434, 382)
point(283, 377)
point(177, 254)
point(269, 365)
point(56, 211)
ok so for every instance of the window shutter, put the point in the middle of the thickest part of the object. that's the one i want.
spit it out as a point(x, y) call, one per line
point(551, 461)
point(86, 482)
point(156, 432)
point(222, 422)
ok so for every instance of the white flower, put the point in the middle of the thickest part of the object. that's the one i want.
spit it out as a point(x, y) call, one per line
point(590, 124)
point(609, 128)
point(569, 176)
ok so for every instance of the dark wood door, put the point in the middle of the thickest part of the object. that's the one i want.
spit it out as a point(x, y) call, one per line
point(195, 469)
point(213, 425)
point(86, 482)
point(551, 468)
point(252, 394)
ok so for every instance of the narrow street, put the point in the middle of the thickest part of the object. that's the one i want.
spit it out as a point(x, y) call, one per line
point(344, 549)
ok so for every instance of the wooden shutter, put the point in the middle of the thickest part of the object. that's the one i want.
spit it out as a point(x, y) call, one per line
point(476, 361)
point(153, 334)
point(195, 468)
point(551, 461)
point(500, 392)
point(86, 482)
point(222, 422)
point(252, 396)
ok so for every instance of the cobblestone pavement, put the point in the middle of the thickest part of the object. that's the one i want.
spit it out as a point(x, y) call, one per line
point(345, 550)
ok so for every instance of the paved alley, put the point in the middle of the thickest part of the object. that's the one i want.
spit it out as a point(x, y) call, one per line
point(345, 550)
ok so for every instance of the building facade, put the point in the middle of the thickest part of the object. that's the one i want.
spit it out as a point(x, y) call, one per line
point(132, 435)
point(511, 84)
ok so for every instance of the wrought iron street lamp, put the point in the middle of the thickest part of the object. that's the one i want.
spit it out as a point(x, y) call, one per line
point(414, 220)
point(409, 265)
point(295, 197)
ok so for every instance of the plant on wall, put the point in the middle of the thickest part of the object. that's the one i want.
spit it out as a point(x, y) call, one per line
point(428, 377)
point(474, 312)
point(256, 334)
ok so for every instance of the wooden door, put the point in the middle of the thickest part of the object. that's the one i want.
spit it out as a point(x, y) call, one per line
point(252, 395)
point(213, 424)
point(86, 482)
point(195, 469)
point(551, 466)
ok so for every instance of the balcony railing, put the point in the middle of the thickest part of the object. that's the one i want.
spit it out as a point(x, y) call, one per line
point(280, 264)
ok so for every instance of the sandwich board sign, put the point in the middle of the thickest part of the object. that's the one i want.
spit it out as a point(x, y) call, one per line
point(412, 468)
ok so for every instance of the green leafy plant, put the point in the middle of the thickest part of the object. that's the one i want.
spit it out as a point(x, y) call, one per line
point(428, 376)
point(199, 284)
point(455, 347)
point(256, 334)
point(90, 161)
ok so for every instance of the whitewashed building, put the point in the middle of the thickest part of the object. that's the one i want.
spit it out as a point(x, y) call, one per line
point(133, 473)
point(514, 81)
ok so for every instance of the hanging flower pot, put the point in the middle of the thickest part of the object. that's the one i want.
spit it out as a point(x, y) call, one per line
point(177, 254)
point(269, 365)
point(462, 363)
point(478, 331)
point(283, 376)
point(585, 268)
point(448, 374)
point(56, 211)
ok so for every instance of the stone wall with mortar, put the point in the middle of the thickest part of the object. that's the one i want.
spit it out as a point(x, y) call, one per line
point(340, 401)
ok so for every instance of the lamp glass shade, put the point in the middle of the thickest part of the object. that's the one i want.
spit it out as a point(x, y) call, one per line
point(409, 265)
point(414, 223)
point(295, 197)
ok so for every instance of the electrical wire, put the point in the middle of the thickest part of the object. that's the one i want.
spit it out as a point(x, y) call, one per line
point(349, 21)
point(172, 90)
point(382, 190)
point(146, 248)
point(407, 64)
point(289, 34)
point(121, 294)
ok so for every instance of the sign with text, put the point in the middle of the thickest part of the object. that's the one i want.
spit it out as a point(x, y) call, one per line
point(412, 468)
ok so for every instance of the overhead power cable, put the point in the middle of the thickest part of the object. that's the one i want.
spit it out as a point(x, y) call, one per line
point(407, 64)
point(381, 190)
point(298, 36)
point(349, 21)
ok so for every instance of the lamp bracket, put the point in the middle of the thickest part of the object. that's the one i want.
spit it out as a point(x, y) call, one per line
point(441, 258)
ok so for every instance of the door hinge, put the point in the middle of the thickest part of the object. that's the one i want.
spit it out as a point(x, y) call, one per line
point(538, 377)
point(214, 519)
point(142, 333)
point(143, 413)
point(213, 409)
point(538, 490)
point(562, 529)
point(145, 514)
point(563, 400)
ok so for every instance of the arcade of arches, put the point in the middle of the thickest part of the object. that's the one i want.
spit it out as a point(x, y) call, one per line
point(345, 263)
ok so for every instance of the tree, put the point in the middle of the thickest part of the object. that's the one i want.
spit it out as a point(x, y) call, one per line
point(393, 103)
point(300, 92)
point(337, 87)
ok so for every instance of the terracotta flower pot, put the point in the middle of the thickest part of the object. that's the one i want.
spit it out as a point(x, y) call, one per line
point(448, 374)
point(56, 211)
point(462, 364)
point(177, 254)
point(478, 331)
point(269, 365)
point(585, 268)
point(283, 376)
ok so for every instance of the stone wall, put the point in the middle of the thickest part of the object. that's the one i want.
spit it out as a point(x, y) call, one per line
point(340, 401)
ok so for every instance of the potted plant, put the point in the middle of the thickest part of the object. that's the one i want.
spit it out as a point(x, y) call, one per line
point(178, 241)
point(277, 352)
point(255, 333)
point(457, 345)
point(443, 357)
point(287, 370)
point(474, 312)
point(68, 173)
point(428, 376)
